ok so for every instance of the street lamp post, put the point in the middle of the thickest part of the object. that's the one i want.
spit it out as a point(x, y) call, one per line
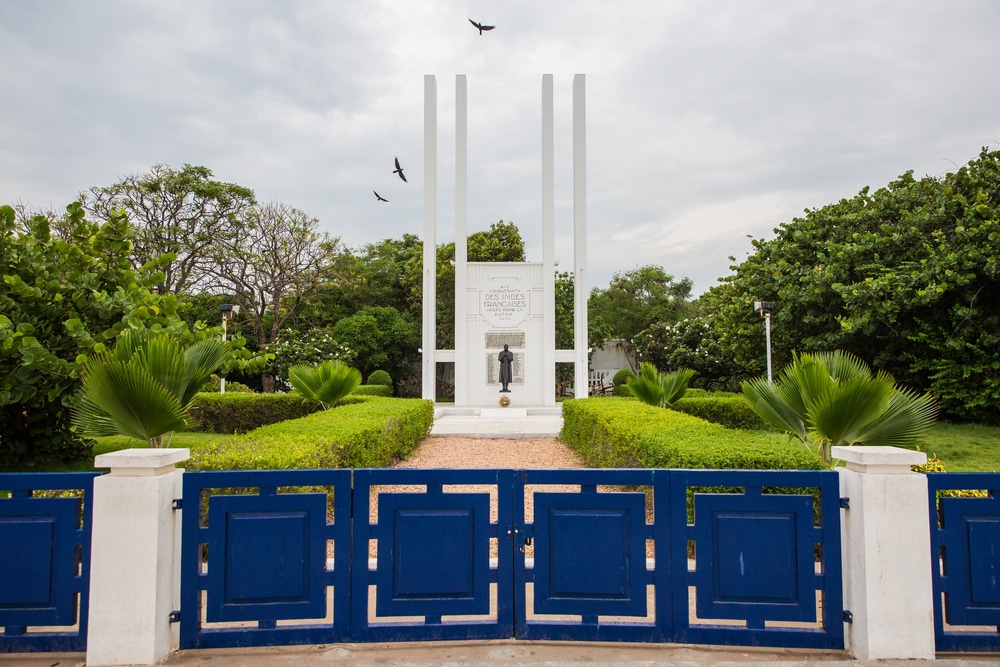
point(765, 308)
point(227, 311)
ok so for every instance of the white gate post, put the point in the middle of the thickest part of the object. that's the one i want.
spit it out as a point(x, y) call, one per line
point(887, 554)
point(135, 564)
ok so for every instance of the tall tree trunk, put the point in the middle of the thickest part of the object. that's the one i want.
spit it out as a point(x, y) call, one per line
point(267, 383)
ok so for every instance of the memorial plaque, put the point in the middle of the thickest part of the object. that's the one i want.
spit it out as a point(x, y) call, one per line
point(493, 369)
point(495, 340)
point(504, 305)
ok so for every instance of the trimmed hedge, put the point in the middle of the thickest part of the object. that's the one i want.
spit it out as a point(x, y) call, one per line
point(623, 433)
point(730, 411)
point(372, 390)
point(380, 377)
point(239, 412)
point(365, 432)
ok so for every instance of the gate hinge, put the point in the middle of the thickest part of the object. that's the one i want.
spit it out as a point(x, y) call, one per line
point(845, 503)
point(848, 616)
point(176, 504)
point(175, 616)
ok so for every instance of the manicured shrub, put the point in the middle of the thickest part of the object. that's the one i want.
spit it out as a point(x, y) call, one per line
point(731, 411)
point(622, 433)
point(241, 412)
point(363, 432)
point(372, 390)
point(620, 382)
point(380, 377)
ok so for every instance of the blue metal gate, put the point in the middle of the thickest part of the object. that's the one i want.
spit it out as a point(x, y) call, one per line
point(45, 580)
point(721, 557)
point(965, 549)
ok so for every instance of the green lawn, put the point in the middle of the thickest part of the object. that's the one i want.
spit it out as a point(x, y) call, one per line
point(965, 447)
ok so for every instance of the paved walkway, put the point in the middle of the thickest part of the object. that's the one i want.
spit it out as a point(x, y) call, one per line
point(510, 652)
point(530, 422)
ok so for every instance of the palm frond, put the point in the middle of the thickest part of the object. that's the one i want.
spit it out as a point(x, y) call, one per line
point(326, 383)
point(905, 422)
point(841, 415)
point(766, 400)
point(843, 366)
point(675, 385)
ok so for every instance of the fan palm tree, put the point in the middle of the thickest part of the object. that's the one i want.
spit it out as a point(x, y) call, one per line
point(659, 389)
point(144, 386)
point(326, 383)
point(832, 398)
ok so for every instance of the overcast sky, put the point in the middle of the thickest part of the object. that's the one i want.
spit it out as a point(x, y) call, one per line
point(708, 121)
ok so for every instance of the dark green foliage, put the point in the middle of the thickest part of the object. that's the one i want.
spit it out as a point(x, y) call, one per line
point(380, 337)
point(905, 277)
point(620, 382)
point(380, 377)
point(60, 301)
point(728, 411)
point(691, 343)
point(364, 432)
point(622, 433)
point(242, 412)
point(372, 390)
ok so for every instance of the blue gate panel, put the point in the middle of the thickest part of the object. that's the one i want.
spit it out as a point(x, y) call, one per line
point(432, 577)
point(45, 561)
point(590, 554)
point(37, 576)
point(765, 559)
point(434, 554)
point(750, 564)
point(965, 538)
point(269, 577)
point(271, 554)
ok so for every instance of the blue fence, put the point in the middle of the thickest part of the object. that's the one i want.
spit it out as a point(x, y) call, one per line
point(965, 551)
point(722, 557)
point(45, 528)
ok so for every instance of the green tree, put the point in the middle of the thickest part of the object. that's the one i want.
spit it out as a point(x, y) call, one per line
point(310, 347)
point(691, 343)
point(904, 277)
point(278, 262)
point(636, 299)
point(184, 212)
point(143, 387)
point(61, 301)
point(381, 338)
point(832, 399)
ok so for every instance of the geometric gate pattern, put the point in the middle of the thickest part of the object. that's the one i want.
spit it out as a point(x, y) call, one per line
point(45, 528)
point(965, 545)
point(694, 556)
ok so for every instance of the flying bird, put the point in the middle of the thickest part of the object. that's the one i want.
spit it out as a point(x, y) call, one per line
point(379, 197)
point(399, 170)
point(481, 26)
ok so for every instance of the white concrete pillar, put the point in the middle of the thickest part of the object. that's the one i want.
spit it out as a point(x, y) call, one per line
point(135, 560)
point(887, 558)
point(548, 245)
point(461, 239)
point(429, 340)
point(580, 287)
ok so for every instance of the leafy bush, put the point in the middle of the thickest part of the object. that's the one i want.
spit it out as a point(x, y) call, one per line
point(728, 410)
point(620, 381)
point(242, 412)
point(213, 384)
point(622, 433)
point(364, 432)
point(380, 377)
point(307, 347)
point(372, 390)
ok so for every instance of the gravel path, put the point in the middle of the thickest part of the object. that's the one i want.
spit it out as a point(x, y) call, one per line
point(452, 452)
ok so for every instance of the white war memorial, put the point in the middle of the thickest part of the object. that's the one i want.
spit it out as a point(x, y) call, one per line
point(500, 304)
